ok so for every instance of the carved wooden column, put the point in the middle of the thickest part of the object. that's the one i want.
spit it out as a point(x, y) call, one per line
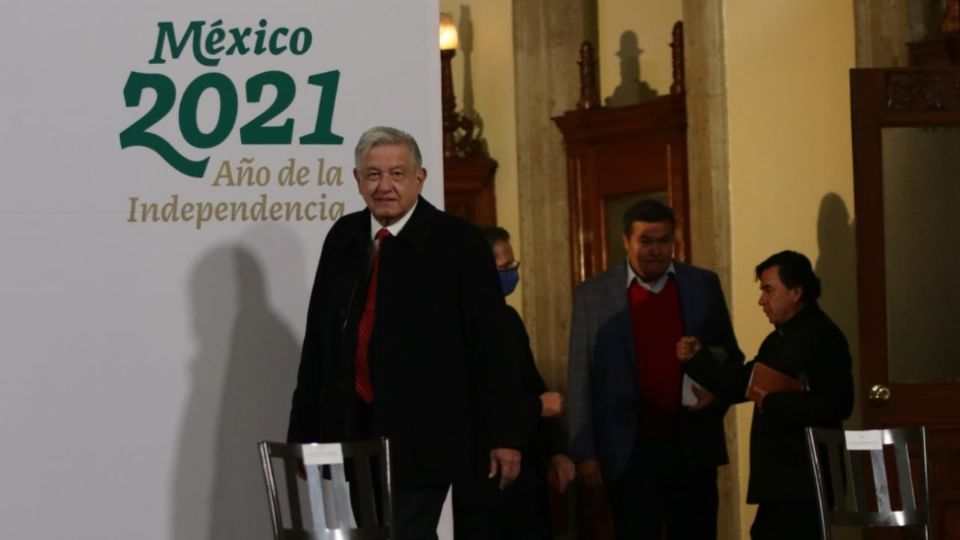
point(589, 87)
point(676, 49)
point(943, 48)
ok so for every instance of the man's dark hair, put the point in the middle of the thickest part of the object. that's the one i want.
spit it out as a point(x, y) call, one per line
point(494, 234)
point(649, 211)
point(794, 270)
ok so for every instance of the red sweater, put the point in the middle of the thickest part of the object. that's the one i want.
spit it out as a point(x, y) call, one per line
point(657, 327)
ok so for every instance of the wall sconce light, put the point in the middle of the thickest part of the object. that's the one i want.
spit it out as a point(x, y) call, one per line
point(459, 137)
point(468, 171)
point(448, 33)
point(448, 49)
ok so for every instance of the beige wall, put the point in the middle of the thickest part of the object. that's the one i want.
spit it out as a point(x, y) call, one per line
point(652, 22)
point(493, 90)
point(789, 153)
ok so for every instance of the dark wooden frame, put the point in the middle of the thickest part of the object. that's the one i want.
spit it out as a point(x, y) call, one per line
point(891, 98)
point(882, 98)
point(621, 151)
point(469, 189)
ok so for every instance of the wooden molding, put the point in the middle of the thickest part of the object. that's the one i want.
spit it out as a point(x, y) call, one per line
point(468, 188)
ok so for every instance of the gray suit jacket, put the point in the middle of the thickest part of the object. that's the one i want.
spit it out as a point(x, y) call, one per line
point(602, 399)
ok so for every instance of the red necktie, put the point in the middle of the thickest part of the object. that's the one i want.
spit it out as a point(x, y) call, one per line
point(362, 379)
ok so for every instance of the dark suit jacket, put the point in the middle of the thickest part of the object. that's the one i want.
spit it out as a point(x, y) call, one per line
point(444, 392)
point(546, 441)
point(809, 347)
point(613, 390)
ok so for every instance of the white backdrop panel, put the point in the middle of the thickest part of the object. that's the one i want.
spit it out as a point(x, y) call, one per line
point(142, 361)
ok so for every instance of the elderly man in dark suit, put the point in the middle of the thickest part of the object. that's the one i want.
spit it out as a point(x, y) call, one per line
point(402, 339)
point(638, 426)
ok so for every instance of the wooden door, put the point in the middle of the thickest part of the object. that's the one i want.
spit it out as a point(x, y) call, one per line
point(618, 156)
point(906, 147)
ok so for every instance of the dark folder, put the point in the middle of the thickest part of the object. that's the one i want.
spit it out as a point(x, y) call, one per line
point(764, 380)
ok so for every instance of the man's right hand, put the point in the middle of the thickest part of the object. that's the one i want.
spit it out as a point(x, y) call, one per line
point(506, 461)
point(552, 404)
point(687, 347)
point(588, 471)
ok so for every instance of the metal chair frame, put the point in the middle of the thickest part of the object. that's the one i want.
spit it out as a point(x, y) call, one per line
point(850, 472)
point(360, 453)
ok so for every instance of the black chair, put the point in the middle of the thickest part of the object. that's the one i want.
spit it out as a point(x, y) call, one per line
point(845, 501)
point(338, 491)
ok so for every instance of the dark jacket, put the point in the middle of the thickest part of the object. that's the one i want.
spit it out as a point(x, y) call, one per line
point(547, 439)
point(809, 347)
point(546, 434)
point(444, 391)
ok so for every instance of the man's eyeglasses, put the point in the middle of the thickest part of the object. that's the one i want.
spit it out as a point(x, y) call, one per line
point(509, 266)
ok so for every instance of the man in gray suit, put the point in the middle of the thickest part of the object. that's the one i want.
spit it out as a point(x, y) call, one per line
point(638, 426)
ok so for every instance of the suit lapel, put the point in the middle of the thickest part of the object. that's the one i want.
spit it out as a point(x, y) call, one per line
point(356, 257)
point(616, 294)
point(416, 232)
point(688, 301)
point(695, 300)
point(616, 286)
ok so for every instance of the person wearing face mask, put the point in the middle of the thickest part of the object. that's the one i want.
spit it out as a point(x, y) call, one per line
point(520, 512)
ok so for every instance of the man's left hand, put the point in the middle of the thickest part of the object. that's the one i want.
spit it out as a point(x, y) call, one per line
point(507, 462)
point(566, 471)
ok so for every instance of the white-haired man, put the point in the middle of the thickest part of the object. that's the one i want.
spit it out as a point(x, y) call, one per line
point(402, 339)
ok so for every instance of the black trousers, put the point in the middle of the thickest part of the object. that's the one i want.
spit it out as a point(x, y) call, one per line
point(416, 511)
point(786, 521)
point(662, 492)
point(520, 512)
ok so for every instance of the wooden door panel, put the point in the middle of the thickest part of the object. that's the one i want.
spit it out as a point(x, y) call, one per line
point(640, 164)
point(927, 100)
point(619, 152)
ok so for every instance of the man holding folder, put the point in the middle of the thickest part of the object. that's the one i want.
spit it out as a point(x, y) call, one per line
point(801, 377)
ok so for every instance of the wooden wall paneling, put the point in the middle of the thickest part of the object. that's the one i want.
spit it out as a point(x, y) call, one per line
point(468, 188)
point(614, 152)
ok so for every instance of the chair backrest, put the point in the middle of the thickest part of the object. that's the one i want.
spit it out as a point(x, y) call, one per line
point(843, 477)
point(329, 491)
